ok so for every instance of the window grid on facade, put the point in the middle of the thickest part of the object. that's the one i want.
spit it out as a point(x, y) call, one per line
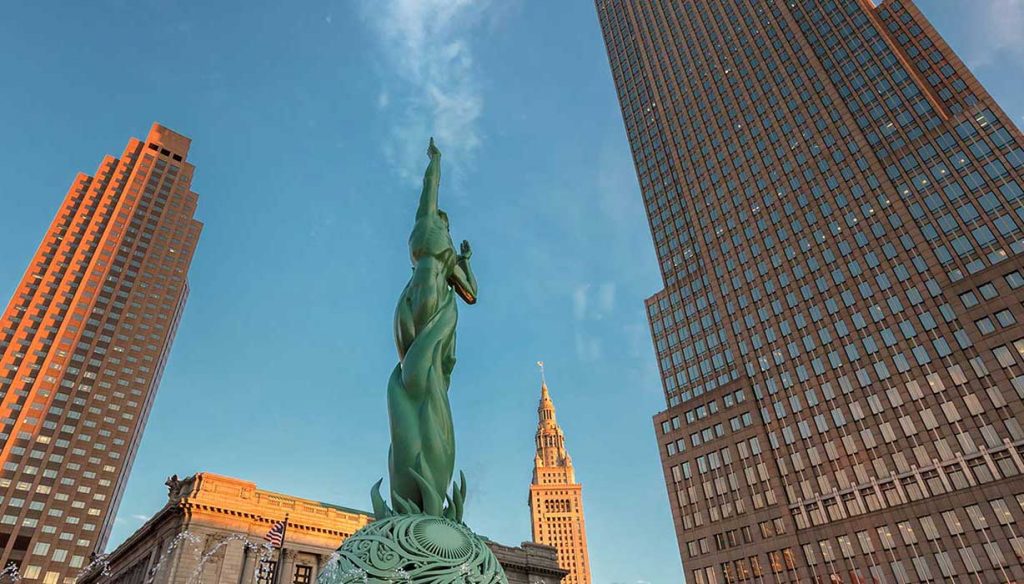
point(836, 206)
point(83, 344)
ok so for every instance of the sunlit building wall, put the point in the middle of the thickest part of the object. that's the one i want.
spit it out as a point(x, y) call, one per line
point(83, 344)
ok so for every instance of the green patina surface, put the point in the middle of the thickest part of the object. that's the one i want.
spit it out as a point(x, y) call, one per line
point(415, 549)
point(422, 456)
point(420, 538)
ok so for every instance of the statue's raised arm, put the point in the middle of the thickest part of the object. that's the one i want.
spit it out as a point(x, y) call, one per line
point(420, 536)
point(422, 457)
point(431, 182)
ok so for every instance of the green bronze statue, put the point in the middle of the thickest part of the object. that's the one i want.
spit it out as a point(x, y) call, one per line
point(421, 538)
point(422, 456)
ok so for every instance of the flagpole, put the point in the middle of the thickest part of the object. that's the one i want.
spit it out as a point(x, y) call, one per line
point(280, 555)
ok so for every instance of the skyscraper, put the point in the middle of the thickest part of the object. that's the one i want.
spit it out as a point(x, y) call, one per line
point(556, 499)
point(83, 344)
point(836, 205)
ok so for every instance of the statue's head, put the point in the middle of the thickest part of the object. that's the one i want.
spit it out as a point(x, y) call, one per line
point(444, 218)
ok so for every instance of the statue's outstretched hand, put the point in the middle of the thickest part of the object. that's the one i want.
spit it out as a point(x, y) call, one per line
point(467, 252)
point(432, 150)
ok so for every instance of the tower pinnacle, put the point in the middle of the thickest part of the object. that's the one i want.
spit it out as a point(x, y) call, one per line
point(556, 499)
point(550, 438)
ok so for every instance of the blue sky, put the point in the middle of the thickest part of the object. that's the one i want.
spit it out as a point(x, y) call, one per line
point(309, 123)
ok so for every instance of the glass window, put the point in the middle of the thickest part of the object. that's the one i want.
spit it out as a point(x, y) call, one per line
point(907, 533)
point(930, 531)
point(995, 554)
point(1005, 318)
point(303, 574)
point(952, 521)
point(977, 517)
point(1004, 356)
point(970, 560)
point(1017, 543)
point(924, 573)
point(265, 573)
point(945, 564)
point(969, 299)
point(885, 536)
point(1003, 514)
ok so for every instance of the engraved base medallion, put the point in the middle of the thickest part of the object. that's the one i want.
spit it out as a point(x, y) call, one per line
point(414, 549)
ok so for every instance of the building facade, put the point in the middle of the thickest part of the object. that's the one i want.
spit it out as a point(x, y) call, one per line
point(211, 532)
point(837, 208)
point(83, 344)
point(556, 499)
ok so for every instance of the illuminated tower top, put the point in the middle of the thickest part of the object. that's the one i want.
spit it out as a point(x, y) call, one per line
point(556, 499)
point(550, 438)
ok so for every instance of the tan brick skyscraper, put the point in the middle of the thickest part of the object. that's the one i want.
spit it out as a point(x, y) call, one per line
point(83, 344)
point(837, 207)
point(556, 499)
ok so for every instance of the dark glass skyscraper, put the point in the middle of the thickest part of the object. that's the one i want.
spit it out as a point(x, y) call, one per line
point(837, 208)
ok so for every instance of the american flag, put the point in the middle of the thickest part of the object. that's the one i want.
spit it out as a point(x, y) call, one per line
point(276, 534)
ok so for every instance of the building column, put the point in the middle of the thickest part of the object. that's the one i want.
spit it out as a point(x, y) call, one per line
point(250, 567)
point(185, 559)
point(244, 563)
point(288, 573)
point(233, 561)
point(321, 562)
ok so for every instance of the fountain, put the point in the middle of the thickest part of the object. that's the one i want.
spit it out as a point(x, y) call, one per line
point(101, 562)
point(10, 574)
point(263, 549)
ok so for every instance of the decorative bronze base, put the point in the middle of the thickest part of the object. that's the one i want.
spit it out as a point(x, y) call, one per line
point(413, 549)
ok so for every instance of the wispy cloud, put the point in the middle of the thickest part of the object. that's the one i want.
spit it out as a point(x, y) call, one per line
point(995, 33)
point(431, 84)
point(588, 347)
point(590, 304)
point(593, 302)
point(579, 302)
point(121, 519)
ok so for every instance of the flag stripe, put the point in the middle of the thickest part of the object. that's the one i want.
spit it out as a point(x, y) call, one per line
point(276, 534)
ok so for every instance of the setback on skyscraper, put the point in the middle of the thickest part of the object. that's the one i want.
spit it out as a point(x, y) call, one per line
point(83, 344)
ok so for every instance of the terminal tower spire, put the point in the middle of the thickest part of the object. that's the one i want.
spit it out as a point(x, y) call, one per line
point(556, 499)
point(550, 439)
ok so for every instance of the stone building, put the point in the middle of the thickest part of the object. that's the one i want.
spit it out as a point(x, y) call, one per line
point(211, 532)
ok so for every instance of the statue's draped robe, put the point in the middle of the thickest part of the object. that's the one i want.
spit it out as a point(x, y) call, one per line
point(422, 456)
